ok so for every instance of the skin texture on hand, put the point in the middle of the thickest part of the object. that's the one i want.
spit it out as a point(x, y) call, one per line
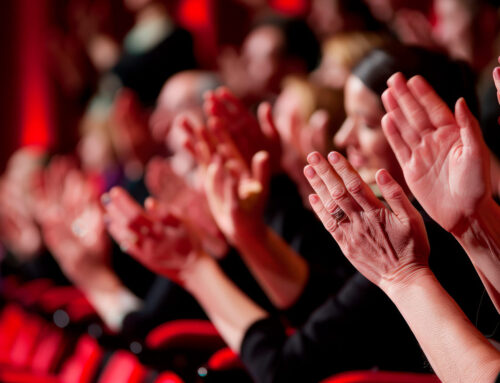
point(386, 244)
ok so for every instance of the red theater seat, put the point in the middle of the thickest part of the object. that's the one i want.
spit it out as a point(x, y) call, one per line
point(381, 377)
point(195, 334)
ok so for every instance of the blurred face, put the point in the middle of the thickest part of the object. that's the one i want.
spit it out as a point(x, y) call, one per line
point(177, 99)
point(325, 17)
point(361, 134)
point(453, 29)
point(261, 56)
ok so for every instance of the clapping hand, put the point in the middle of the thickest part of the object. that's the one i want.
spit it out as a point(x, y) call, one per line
point(386, 244)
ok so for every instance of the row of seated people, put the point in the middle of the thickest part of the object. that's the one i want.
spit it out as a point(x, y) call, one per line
point(228, 220)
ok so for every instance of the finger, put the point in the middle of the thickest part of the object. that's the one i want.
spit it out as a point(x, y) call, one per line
point(230, 100)
point(496, 79)
point(356, 187)
point(326, 218)
point(215, 178)
point(470, 132)
point(126, 239)
point(334, 184)
point(261, 168)
point(320, 189)
point(394, 195)
point(410, 106)
point(436, 109)
point(396, 141)
point(230, 187)
point(266, 121)
point(226, 145)
point(124, 203)
point(404, 126)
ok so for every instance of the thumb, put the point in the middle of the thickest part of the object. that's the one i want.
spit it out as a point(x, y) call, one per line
point(261, 169)
point(470, 132)
point(266, 121)
point(394, 195)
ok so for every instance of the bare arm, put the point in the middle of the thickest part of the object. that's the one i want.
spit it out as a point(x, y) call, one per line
point(457, 351)
point(229, 309)
point(237, 200)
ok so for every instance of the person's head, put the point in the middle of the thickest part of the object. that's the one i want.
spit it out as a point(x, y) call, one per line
point(181, 94)
point(328, 17)
point(342, 52)
point(299, 103)
point(361, 134)
point(276, 48)
point(467, 28)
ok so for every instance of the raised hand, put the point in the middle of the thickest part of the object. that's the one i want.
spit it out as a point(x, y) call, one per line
point(237, 197)
point(153, 236)
point(386, 244)
point(443, 156)
point(18, 229)
point(187, 202)
point(249, 133)
point(71, 219)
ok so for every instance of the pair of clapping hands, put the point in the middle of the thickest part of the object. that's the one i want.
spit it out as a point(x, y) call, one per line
point(446, 167)
point(236, 155)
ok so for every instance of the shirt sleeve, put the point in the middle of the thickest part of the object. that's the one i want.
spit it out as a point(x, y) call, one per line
point(358, 328)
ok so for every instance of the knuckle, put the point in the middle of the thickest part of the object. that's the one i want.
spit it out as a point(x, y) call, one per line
point(355, 186)
point(395, 193)
point(330, 224)
point(330, 206)
point(338, 192)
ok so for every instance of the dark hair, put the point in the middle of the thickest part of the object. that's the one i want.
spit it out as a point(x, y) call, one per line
point(300, 41)
point(450, 78)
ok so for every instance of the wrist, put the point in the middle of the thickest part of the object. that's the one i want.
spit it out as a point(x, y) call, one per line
point(404, 279)
point(257, 230)
point(191, 273)
point(483, 221)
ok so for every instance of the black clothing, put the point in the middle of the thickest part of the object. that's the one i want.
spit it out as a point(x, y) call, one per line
point(145, 73)
point(359, 327)
point(490, 111)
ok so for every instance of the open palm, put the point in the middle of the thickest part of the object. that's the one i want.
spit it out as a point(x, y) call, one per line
point(442, 155)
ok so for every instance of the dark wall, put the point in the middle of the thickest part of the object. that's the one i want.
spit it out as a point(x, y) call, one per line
point(9, 74)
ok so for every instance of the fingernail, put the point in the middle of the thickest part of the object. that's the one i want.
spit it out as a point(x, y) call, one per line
point(383, 177)
point(105, 199)
point(334, 157)
point(314, 159)
point(309, 172)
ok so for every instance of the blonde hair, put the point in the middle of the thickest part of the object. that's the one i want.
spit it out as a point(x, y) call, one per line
point(347, 48)
point(316, 97)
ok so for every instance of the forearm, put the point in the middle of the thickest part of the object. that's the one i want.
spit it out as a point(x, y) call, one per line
point(280, 271)
point(110, 298)
point(481, 241)
point(229, 309)
point(456, 350)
